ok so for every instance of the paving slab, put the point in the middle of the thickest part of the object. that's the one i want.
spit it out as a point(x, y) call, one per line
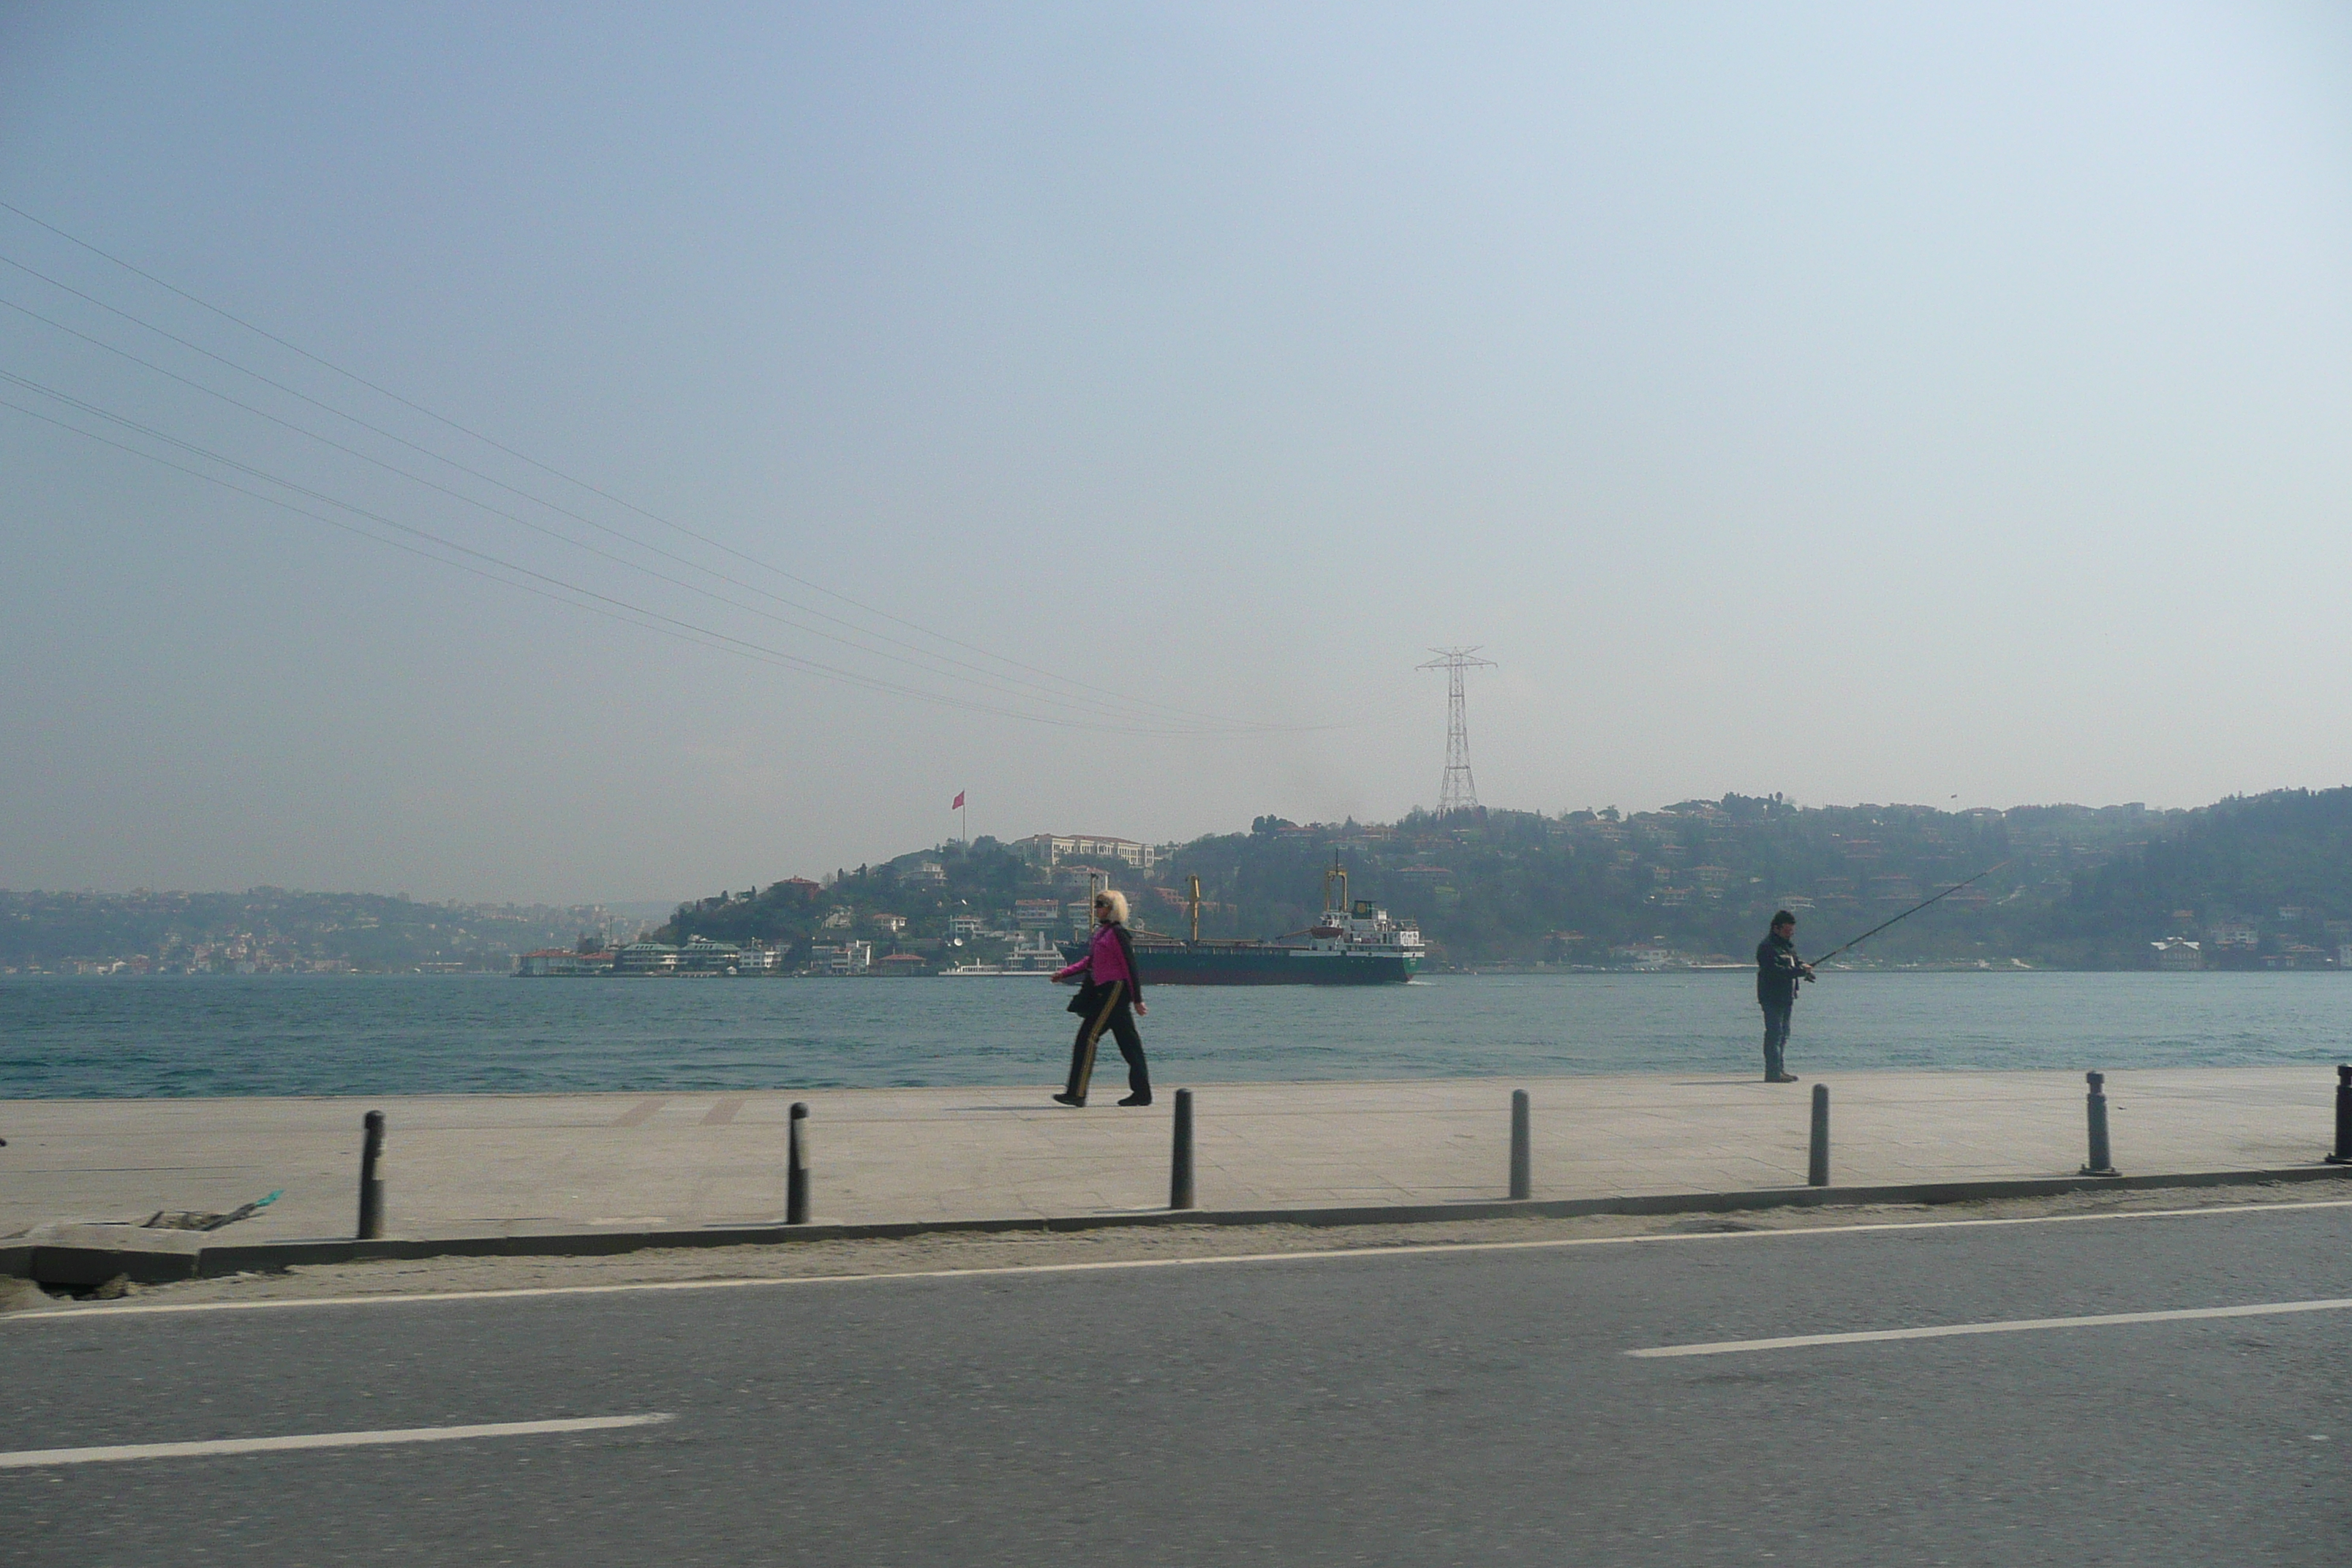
point(583, 1161)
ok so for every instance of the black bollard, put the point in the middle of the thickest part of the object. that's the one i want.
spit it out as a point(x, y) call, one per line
point(2343, 1155)
point(2102, 1162)
point(1523, 1181)
point(1817, 1157)
point(1180, 1166)
point(796, 1169)
point(371, 1177)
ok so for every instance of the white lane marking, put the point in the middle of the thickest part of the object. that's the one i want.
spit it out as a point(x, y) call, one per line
point(1416, 1249)
point(32, 1459)
point(2011, 1326)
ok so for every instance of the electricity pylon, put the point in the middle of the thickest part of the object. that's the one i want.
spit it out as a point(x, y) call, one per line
point(1459, 792)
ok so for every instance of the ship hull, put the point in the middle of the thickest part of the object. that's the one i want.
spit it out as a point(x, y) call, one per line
point(1239, 963)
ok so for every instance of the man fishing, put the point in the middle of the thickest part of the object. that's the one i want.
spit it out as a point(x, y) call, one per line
point(1779, 971)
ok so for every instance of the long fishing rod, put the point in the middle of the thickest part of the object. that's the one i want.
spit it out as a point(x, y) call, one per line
point(1905, 915)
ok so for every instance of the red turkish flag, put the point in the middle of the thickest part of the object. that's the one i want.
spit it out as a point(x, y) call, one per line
point(959, 801)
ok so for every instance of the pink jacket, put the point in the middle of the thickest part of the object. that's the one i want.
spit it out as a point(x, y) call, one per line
point(1105, 959)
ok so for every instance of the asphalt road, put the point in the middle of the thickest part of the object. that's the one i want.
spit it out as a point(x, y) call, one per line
point(1463, 1406)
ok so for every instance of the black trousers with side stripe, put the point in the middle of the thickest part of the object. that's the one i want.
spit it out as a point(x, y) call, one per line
point(1110, 1012)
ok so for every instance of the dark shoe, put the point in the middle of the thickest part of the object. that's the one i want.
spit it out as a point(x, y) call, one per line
point(1776, 1078)
point(1137, 1100)
point(1072, 1100)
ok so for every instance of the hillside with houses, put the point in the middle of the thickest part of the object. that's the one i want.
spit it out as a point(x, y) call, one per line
point(2259, 882)
point(277, 930)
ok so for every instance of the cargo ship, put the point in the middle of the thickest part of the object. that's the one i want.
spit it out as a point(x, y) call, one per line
point(1351, 944)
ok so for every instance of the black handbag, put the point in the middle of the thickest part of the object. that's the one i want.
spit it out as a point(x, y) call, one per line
point(1089, 996)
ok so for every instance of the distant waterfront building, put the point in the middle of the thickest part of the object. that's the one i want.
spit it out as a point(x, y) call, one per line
point(2243, 935)
point(1051, 849)
point(1035, 951)
point(1036, 914)
point(923, 874)
point(645, 958)
point(2177, 953)
point(700, 955)
point(563, 961)
point(841, 958)
point(966, 926)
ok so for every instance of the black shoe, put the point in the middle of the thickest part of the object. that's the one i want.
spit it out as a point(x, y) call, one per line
point(1137, 1100)
point(1776, 1078)
point(1077, 1099)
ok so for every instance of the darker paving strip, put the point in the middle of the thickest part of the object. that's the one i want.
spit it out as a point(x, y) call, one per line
point(640, 1113)
point(720, 1114)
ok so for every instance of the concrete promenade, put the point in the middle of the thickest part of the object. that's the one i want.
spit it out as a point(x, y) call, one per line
point(499, 1162)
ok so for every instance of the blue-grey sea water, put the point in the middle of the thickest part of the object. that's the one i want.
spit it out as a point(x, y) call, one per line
point(86, 1038)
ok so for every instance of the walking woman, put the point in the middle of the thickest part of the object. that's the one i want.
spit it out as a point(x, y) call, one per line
point(1111, 998)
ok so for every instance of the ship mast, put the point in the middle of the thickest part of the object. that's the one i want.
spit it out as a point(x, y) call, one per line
point(1193, 901)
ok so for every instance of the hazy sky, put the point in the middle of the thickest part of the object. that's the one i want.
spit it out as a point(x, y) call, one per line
point(1939, 404)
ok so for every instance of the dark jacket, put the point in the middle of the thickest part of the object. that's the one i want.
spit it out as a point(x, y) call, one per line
point(1778, 968)
point(1134, 969)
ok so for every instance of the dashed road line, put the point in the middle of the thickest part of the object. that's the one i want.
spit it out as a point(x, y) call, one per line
point(2007, 1326)
point(36, 1458)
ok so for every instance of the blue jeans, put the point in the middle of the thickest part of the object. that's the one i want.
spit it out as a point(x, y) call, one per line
point(1776, 1035)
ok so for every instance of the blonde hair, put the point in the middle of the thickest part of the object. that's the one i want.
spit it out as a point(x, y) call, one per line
point(1117, 902)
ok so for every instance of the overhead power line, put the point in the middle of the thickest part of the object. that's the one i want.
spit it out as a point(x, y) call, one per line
point(651, 618)
point(923, 659)
point(496, 444)
point(990, 678)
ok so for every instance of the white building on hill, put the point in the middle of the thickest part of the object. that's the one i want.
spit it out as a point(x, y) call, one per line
point(1053, 849)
